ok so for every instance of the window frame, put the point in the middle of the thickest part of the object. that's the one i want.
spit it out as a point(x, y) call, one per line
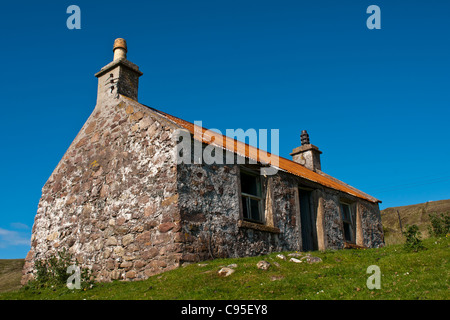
point(248, 197)
point(348, 222)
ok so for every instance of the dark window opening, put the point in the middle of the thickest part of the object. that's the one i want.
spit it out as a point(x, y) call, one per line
point(347, 222)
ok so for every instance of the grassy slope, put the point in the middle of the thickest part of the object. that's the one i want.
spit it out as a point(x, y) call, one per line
point(341, 275)
point(10, 274)
point(413, 214)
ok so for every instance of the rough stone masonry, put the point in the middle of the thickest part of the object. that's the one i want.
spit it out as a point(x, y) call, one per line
point(119, 202)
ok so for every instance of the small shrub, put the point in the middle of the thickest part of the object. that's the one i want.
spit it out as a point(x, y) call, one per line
point(440, 224)
point(52, 272)
point(413, 238)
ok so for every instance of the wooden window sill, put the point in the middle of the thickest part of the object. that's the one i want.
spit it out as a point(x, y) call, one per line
point(257, 226)
point(352, 245)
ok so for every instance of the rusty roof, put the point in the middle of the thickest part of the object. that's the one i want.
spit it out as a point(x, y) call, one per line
point(262, 156)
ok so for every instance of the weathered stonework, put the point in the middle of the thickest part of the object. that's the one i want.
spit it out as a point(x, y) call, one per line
point(112, 200)
point(213, 227)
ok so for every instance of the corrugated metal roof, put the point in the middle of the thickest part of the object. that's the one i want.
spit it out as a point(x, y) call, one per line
point(261, 156)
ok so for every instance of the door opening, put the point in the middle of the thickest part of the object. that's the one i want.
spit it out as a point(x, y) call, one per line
point(307, 220)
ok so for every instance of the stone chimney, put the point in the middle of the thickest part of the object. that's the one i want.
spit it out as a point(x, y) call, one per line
point(119, 76)
point(307, 155)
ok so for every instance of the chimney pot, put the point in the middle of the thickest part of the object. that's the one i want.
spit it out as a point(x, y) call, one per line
point(304, 138)
point(120, 49)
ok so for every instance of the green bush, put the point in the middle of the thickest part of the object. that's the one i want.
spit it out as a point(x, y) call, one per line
point(52, 272)
point(413, 238)
point(440, 224)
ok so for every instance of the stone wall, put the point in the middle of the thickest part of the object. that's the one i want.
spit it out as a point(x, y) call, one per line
point(333, 222)
point(368, 224)
point(212, 227)
point(112, 200)
point(371, 226)
point(285, 210)
point(209, 210)
point(209, 200)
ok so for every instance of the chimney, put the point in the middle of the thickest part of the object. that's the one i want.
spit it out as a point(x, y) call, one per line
point(119, 76)
point(307, 155)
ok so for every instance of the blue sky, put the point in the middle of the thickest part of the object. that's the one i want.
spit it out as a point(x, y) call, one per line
point(376, 102)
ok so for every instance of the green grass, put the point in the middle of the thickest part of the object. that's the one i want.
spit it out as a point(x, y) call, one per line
point(341, 275)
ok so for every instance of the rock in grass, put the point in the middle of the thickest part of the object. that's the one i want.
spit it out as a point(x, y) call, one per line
point(281, 256)
point(275, 278)
point(295, 260)
point(225, 272)
point(263, 265)
point(312, 259)
point(295, 254)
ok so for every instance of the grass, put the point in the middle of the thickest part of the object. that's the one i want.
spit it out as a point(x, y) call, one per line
point(342, 275)
point(10, 274)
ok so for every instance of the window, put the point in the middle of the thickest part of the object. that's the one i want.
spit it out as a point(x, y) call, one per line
point(252, 200)
point(347, 222)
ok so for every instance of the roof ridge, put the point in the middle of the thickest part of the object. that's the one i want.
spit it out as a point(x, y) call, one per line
point(263, 156)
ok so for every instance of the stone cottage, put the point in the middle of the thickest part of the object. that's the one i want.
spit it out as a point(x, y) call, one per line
point(124, 206)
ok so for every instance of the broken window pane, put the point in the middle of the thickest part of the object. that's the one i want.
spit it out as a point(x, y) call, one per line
point(345, 212)
point(347, 222)
point(249, 184)
point(245, 210)
point(254, 204)
point(347, 232)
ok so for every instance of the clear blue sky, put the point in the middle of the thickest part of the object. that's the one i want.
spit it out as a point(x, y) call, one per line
point(376, 102)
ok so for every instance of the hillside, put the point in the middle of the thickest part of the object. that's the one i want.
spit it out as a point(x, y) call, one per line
point(412, 214)
point(10, 274)
point(340, 275)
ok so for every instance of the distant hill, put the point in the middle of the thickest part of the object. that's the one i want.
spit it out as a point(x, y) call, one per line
point(10, 274)
point(413, 214)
